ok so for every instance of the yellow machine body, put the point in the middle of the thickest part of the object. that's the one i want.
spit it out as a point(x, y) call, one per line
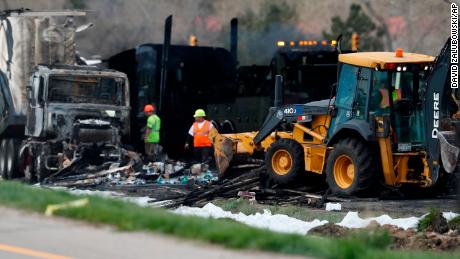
point(395, 166)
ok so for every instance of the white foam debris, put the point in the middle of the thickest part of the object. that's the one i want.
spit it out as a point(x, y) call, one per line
point(160, 204)
point(352, 220)
point(333, 206)
point(277, 222)
point(286, 224)
point(449, 215)
point(141, 201)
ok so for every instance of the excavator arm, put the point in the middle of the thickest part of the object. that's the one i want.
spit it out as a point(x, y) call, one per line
point(440, 139)
point(226, 146)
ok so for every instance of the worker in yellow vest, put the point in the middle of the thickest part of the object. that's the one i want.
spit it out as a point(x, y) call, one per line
point(152, 134)
point(199, 131)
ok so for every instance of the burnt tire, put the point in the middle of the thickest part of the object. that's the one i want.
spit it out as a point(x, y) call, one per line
point(284, 161)
point(29, 173)
point(3, 154)
point(40, 171)
point(12, 159)
point(351, 168)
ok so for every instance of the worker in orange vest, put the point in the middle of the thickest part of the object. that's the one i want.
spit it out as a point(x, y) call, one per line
point(199, 131)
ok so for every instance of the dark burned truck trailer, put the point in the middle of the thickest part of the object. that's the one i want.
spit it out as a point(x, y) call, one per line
point(55, 115)
point(195, 77)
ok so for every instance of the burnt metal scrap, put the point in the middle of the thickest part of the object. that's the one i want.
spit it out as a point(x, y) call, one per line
point(250, 185)
point(81, 173)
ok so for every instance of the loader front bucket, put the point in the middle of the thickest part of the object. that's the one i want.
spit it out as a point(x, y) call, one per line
point(223, 151)
point(449, 150)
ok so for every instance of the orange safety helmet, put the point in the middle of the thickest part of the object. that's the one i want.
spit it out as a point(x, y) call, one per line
point(149, 108)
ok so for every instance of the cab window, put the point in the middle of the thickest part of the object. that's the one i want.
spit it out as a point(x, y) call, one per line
point(380, 102)
point(347, 86)
point(363, 90)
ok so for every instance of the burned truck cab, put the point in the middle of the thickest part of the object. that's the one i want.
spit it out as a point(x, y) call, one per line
point(76, 115)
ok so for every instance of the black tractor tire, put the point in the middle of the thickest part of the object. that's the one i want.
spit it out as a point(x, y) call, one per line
point(351, 168)
point(3, 155)
point(284, 161)
point(12, 170)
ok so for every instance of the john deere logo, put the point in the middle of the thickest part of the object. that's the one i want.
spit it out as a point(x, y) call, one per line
point(434, 132)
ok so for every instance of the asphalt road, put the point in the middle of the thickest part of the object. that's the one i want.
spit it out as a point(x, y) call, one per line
point(30, 235)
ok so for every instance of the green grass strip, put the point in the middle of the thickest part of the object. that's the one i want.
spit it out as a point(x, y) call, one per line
point(130, 217)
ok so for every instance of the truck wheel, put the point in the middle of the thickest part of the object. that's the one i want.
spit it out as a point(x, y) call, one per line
point(3, 154)
point(12, 159)
point(350, 168)
point(284, 161)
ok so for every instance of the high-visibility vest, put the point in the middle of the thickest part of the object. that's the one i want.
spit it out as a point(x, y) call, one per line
point(200, 136)
point(385, 103)
point(154, 124)
point(397, 94)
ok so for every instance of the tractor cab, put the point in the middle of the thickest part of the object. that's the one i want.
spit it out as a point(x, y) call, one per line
point(383, 84)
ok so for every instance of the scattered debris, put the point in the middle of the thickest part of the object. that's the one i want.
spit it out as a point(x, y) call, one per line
point(224, 189)
point(329, 230)
point(111, 175)
point(333, 206)
point(134, 173)
point(251, 196)
point(434, 241)
point(401, 238)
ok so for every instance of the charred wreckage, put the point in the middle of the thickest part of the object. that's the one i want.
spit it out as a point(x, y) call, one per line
point(78, 117)
point(57, 115)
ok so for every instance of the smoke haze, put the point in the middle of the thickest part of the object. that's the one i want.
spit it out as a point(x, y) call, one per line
point(416, 26)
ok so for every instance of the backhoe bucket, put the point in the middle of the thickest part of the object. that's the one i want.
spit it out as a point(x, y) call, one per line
point(223, 151)
point(449, 152)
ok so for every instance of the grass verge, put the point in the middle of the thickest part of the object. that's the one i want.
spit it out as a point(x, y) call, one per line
point(128, 216)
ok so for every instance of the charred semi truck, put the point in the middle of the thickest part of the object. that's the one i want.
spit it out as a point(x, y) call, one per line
point(55, 115)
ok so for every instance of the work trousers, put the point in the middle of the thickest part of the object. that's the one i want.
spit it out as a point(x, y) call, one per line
point(152, 151)
point(203, 154)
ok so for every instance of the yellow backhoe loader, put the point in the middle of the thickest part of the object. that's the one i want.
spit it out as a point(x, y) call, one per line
point(390, 120)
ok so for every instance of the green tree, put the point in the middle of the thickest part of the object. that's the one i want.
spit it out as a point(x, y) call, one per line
point(258, 32)
point(272, 13)
point(76, 4)
point(371, 36)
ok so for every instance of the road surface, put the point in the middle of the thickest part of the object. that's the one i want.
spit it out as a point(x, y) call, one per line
point(30, 235)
